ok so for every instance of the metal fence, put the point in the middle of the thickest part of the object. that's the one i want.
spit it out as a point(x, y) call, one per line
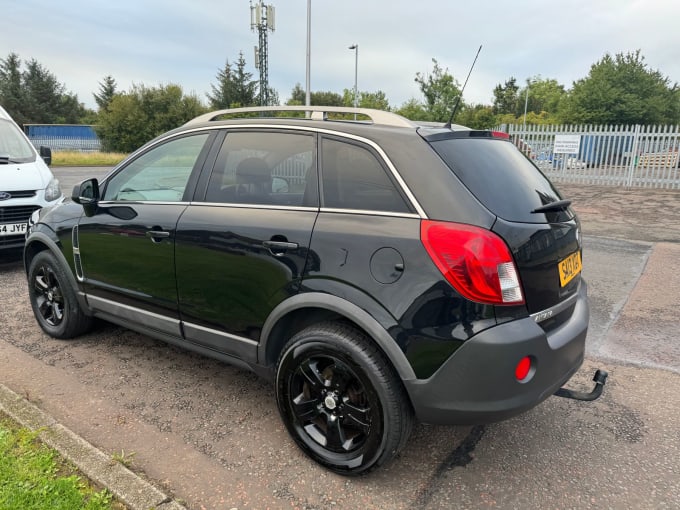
point(61, 143)
point(63, 137)
point(633, 156)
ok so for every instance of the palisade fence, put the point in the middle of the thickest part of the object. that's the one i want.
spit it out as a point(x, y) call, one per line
point(632, 156)
point(63, 137)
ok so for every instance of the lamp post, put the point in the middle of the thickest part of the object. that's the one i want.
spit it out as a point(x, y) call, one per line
point(309, 52)
point(355, 47)
point(526, 103)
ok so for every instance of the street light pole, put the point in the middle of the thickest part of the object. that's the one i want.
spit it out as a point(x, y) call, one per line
point(526, 102)
point(309, 51)
point(355, 47)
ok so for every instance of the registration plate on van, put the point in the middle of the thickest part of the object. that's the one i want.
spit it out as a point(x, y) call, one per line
point(13, 229)
point(569, 268)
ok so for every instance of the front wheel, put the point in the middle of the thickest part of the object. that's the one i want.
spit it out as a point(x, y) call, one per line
point(341, 400)
point(53, 300)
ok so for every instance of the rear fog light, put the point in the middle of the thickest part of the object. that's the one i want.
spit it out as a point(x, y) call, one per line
point(524, 369)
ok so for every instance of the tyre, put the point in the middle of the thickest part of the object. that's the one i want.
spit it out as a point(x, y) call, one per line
point(53, 299)
point(341, 400)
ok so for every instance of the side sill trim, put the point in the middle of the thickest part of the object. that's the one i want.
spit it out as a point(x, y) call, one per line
point(233, 345)
point(128, 313)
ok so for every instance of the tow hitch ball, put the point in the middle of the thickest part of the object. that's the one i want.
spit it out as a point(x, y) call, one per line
point(600, 378)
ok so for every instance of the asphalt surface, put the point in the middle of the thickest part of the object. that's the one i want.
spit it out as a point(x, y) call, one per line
point(207, 435)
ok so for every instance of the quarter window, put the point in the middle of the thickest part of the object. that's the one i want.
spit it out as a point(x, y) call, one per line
point(160, 174)
point(354, 178)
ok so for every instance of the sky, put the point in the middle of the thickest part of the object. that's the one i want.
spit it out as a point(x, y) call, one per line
point(158, 42)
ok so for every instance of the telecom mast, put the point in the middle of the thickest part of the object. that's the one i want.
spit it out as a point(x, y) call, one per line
point(262, 21)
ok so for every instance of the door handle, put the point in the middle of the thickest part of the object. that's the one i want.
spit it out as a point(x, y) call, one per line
point(278, 248)
point(157, 235)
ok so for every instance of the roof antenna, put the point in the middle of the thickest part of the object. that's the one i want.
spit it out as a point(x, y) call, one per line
point(455, 108)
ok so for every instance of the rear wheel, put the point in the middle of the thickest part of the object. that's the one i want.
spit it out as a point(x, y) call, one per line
point(341, 400)
point(53, 299)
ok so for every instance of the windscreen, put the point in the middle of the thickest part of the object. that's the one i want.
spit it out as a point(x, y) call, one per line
point(501, 178)
point(13, 146)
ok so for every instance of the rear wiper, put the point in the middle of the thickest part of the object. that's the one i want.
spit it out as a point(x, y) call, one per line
point(559, 205)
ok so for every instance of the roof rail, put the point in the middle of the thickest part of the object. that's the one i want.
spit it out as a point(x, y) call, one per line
point(317, 113)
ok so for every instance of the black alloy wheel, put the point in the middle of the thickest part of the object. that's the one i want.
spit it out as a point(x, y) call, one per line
point(48, 296)
point(53, 300)
point(340, 399)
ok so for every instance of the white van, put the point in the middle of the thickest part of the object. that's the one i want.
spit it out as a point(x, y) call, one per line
point(26, 183)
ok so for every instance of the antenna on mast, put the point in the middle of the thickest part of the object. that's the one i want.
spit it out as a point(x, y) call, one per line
point(460, 96)
point(262, 21)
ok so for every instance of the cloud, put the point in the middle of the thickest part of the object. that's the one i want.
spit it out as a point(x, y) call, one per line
point(154, 41)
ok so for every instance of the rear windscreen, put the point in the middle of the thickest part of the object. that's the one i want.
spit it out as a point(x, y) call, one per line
point(501, 177)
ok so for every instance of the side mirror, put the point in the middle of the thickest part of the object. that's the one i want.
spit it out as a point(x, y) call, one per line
point(86, 193)
point(46, 154)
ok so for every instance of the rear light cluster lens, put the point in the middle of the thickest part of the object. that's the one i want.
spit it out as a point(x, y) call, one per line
point(474, 260)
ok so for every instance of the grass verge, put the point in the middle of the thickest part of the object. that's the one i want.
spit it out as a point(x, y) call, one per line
point(35, 477)
point(74, 158)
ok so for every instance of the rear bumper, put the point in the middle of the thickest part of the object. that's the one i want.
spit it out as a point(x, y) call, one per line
point(478, 385)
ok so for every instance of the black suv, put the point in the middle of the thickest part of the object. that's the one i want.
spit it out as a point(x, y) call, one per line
point(376, 270)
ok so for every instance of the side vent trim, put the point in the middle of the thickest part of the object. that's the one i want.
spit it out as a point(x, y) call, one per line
point(76, 254)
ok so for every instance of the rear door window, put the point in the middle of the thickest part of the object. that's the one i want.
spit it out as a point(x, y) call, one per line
point(501, 177)
point(265, 168)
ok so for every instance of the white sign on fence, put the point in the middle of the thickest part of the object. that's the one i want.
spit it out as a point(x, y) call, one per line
point(567, 144)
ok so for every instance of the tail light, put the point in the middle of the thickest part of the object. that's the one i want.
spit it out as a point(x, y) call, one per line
point(475, 261)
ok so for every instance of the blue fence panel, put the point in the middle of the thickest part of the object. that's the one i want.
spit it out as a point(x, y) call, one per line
point(64, 137)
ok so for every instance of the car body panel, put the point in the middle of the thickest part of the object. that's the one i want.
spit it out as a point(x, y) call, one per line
point(227, 278)
point(237, 280)
point(143, 274)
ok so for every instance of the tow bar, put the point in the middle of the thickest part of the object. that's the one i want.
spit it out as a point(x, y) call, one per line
point(600, 378)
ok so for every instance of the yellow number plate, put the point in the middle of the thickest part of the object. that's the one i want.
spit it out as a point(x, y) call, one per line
point(569, 268)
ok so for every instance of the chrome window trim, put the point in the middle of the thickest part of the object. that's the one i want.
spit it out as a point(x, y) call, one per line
point(141, 202)
point(256, 206)
point(370, 212)
point(406, 190)
point(365, 212)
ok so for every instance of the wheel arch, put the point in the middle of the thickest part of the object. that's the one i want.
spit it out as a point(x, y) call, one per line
point(39, 242)
point(310, 308)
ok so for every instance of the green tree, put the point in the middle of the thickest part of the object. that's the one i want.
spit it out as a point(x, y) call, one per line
point(441, 92)
point(143, 113)
point(246, 89)
point(236, 87)
point(223, 94)
point(413, 110)
point(34, 95)
point(107, 89)
point(11, 91)
point(298, 96)
point(545, 95)
point(622, 90)
point(477, 117)
point(376, 100)
point(506, 97)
